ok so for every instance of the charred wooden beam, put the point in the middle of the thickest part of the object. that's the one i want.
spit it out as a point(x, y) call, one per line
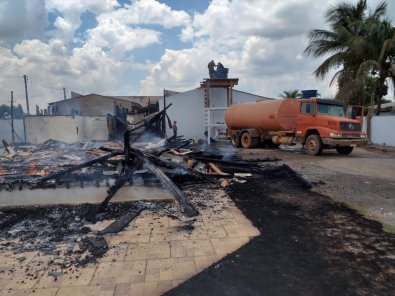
point(120, 181)
point(122, 221)
point(74, 168)
point(173, 165)
point(185, 207)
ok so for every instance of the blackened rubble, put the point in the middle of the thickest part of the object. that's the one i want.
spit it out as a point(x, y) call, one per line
point(67, 236)
point(47, 229)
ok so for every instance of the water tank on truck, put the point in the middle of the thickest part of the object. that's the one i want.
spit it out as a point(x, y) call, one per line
point(265, 115)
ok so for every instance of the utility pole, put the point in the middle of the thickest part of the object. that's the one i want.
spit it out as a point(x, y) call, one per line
point(64, 93)
point(12, 117)
point(27, 97)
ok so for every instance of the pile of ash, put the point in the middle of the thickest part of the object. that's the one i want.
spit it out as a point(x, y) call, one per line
point(63, 232)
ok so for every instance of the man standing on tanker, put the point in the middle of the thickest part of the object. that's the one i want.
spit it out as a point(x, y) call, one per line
point(211, 70)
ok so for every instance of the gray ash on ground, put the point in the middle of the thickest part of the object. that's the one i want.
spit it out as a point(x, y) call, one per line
point(62, 232)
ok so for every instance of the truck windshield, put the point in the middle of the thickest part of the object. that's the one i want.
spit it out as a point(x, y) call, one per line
point(332, 110)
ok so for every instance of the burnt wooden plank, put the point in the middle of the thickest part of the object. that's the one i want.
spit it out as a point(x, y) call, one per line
point(76, 168)
point(121, 180)
point(122, 222)
point(185, 207)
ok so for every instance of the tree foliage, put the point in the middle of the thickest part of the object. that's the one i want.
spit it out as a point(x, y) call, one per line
point(290, 94)
point(361, 44)
point(18, 111)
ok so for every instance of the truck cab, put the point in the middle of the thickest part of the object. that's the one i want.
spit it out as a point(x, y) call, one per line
point(323, 124)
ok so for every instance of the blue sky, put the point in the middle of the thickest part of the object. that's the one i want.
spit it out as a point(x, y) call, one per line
point(141, 47)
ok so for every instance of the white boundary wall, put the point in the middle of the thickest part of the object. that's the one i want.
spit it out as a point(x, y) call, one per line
point(383, 130)
point(69, 129)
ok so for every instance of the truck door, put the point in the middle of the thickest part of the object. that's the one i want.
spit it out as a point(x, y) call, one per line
point(305, 118)
point(355, 112)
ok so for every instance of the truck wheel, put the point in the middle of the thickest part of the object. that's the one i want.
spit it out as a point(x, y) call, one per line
point(235, 139)
point(313, 145)
point(344, 150)
point(247, 141)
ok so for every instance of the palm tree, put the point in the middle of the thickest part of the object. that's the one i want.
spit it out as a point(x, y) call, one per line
point(379, 69)
point(290, 94)
point(356, 35)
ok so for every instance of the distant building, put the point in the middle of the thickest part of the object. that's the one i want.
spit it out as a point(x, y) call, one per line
point(89, 117)
point(200, 112)
point(99, 105)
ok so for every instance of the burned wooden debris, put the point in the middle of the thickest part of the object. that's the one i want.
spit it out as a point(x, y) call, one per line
point(144, 157)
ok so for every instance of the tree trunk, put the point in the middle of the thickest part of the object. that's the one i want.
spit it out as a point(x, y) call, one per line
point(369, 117)
point(380, 92)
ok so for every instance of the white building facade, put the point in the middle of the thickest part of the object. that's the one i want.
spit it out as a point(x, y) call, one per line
point(194, 118)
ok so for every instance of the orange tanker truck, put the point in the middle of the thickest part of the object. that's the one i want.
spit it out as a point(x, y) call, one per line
point(315, 123)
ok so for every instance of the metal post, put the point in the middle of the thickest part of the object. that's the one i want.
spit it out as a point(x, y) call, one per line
point(27, 97)
point(126, 143)
point(12, 117)
point(164, 117)
point(64, 93)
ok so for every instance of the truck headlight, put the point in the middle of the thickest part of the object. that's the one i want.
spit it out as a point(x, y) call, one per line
point(335, 135)
point(364, 136)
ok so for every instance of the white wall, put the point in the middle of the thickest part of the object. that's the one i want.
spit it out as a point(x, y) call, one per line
point(383, 130)
point(188, 109)
point(5, 131)
point(64, 128)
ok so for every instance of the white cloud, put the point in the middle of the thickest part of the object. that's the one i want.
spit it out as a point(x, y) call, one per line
point(119, 38)
point(51, 66)
point(71, 10)
point(178, 70)
point(21, 19)
point(148, 12)
point(99, 62)
point(261, 41)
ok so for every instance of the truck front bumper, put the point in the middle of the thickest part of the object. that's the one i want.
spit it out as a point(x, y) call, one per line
point(344, 142)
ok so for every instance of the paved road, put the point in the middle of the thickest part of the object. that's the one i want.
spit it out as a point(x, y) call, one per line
point(365, 179)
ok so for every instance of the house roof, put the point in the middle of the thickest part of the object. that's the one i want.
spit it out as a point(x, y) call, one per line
point(93, 94)
point(235, 90)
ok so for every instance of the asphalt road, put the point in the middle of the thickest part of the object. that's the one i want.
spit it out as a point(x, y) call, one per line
point(364, 180)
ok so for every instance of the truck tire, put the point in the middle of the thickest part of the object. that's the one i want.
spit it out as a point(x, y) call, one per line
point(313, 145)
point(344, 150)
point(247, 141)
point(235, 139)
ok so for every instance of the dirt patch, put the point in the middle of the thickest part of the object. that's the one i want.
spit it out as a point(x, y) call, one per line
point(310, 245)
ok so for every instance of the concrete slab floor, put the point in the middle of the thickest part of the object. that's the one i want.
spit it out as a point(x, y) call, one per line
point(152, 255)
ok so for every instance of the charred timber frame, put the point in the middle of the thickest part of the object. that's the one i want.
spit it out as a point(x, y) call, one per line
point(131, 156)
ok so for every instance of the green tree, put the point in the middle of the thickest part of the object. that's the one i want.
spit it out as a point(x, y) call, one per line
point(290, 94)
point(356, 35)
point(4, 109)
point(18, 111)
